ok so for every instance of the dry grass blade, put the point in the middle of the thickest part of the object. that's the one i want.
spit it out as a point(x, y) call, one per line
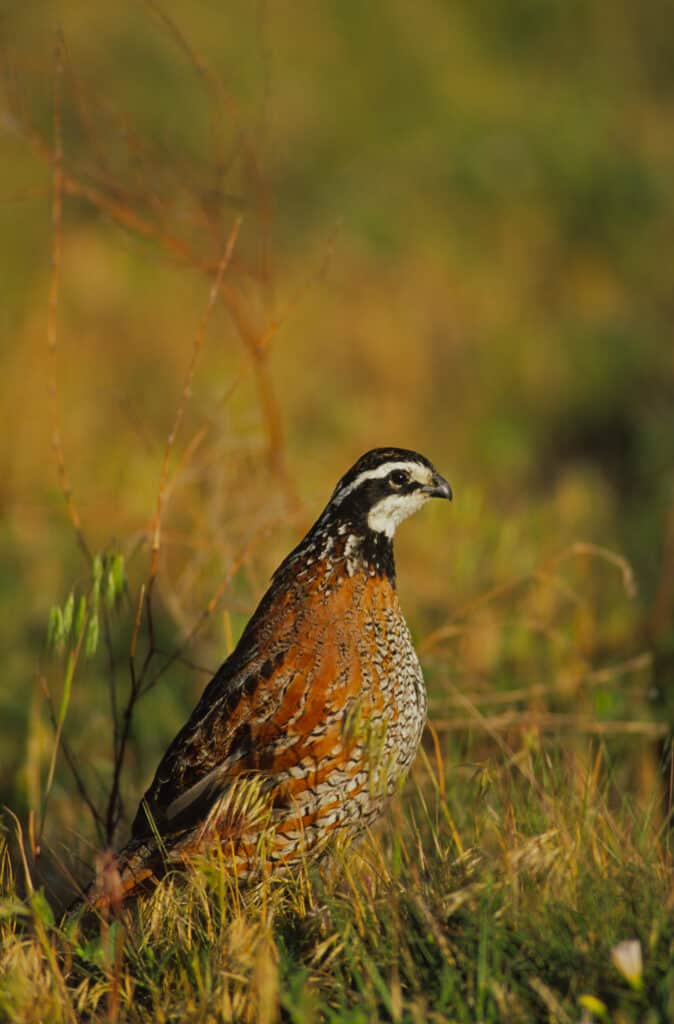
point(551, 722)
point(582, 548)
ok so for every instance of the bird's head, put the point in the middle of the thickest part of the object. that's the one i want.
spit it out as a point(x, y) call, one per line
point(385, 486)
point(356, 528)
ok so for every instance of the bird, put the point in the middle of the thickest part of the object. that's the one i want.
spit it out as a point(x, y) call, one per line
point(312, 721)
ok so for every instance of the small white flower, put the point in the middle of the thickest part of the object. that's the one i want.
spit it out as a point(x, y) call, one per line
point(626, 956)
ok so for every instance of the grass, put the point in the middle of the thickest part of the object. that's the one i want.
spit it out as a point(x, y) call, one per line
point(499, 894)
point(202, 352)
point(501, 884)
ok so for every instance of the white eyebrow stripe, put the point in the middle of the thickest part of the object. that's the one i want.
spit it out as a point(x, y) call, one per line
point(422, 474)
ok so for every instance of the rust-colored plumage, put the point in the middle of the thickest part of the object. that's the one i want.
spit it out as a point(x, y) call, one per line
point(309, 724)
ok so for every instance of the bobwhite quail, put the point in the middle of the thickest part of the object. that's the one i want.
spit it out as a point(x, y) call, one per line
point(309, 724)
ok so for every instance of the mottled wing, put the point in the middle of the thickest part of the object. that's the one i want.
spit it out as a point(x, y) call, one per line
point(216, 741)
point(276, 707)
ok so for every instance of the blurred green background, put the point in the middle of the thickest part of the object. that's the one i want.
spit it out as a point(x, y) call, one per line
point(461, 217)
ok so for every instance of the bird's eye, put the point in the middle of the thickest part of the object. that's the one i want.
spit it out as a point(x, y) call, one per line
point(398, 477)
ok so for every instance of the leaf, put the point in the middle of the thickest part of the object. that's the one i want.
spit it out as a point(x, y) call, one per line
point(109, 943)
point(68, 610)
point(118, 575)
point(115, 579)
point(91, 952)
point(55, 628)
point(97, 569)
point(67, 687)
point(41, 908)
point(110, 596)
point(80, 617)
point(96, 578)
point(91, 639)
point(13, 908)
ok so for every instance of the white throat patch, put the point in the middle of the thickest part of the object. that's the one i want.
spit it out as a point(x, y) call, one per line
point(387, 513)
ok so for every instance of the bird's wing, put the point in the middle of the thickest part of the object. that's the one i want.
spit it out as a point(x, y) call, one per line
point(208, 743)
point(257, 712)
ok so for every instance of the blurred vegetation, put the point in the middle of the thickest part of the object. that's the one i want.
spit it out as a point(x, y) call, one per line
point(453, 235)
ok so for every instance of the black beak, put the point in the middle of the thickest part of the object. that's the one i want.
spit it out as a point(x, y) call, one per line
point(439, 488)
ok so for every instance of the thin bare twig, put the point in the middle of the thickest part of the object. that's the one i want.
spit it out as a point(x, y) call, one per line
point(186, 394)
point(208, 610)
point(71, 761)
point(52, 308)
point(256, 340)
point(114, 808)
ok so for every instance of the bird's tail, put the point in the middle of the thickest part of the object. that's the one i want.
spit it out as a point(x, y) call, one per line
point(120, 877)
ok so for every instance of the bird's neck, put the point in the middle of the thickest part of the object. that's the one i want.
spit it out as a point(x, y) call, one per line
point(341, 546)
point(352, 547)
